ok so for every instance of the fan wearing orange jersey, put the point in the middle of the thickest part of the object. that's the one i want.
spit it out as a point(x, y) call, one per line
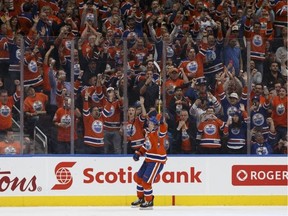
point(208, 135)
point(62, 119)
point(279, 113)
point(6, 105)
point(173, 82)
point(34, 108)
point(93, 127)
point(193, 66)
point(112, 107)
point(10, 146)
point(135, 126)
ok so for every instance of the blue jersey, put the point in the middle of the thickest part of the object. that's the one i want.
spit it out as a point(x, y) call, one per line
point(266, 148)
point(237, 136)
point(261, 149)
point(258, 119)
point(214, 61)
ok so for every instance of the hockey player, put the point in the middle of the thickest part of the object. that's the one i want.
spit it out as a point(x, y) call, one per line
point(155, 158)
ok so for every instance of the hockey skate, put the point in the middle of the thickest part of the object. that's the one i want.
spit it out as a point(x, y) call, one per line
point(147, 205)
point(137, 202)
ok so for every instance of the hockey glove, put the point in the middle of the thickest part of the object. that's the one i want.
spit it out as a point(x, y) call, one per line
point(136, 156)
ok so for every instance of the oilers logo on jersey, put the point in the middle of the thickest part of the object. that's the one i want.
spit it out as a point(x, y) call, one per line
point(131, 130)
point(235, 131)
point(97, 126)
point(32, 66)
point(258, 119)
point(257, 40)
point(66, 119)
point(231, 110)
point(210, 129)
point(76, 69)
point(170, 52)
point(140, 57)
point(280, 109)
point(9, 150)
point(5, 110)
point(210, 55)
point(37, 106)
point(147, 144)
point(68, 44)
point(185, 135)
point(262, 151)
point(192, 67)
point(18, 54)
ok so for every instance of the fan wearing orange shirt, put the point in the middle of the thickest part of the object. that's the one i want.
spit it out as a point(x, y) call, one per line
point(279, 113)
point(34, 108)
point(193, 66)
point(62, 119)
point(208, 134)
point(10, 146)
point(6, 105)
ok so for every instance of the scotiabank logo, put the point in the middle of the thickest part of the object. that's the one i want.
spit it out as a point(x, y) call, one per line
point(126, 176)
point(260, 175)
point(8, 182)
point(63, 176)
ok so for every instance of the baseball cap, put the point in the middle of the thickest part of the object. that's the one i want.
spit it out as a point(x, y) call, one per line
point(110, 89)
point(235, 28)
point(154, 120)
point(137, 104)
point(201, 80)
point(257, 98)
point(234, 95)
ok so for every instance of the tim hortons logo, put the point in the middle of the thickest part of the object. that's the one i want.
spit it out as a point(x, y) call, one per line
point(63, 175)
point(7, 182)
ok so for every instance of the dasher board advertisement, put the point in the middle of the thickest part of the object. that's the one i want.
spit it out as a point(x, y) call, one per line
point(38, 176)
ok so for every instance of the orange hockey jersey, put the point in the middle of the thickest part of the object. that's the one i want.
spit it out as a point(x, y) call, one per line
point(279, 111)
point(63, 115)
point(280, 10)
point(111, 111)
point(37, 103)
point(154, 145)
point(135, 132)
point(32, 76)
point(6, 111)
point(170, 91)
point(194, 68)
point(10, 148)
point(258, 41)
point(93, 128)
point(209, 133)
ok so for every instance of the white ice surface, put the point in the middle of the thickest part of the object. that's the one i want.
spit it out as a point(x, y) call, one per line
point(157, 211)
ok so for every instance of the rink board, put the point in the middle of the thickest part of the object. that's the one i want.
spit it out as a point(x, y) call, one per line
point(108, 181)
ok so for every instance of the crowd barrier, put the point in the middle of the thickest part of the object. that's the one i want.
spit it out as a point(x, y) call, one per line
point(108, 181)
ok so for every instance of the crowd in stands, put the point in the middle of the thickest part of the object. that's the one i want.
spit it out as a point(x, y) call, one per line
point(200, 46)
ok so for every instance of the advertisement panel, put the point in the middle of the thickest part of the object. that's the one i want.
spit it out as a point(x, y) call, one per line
point(113, 176)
